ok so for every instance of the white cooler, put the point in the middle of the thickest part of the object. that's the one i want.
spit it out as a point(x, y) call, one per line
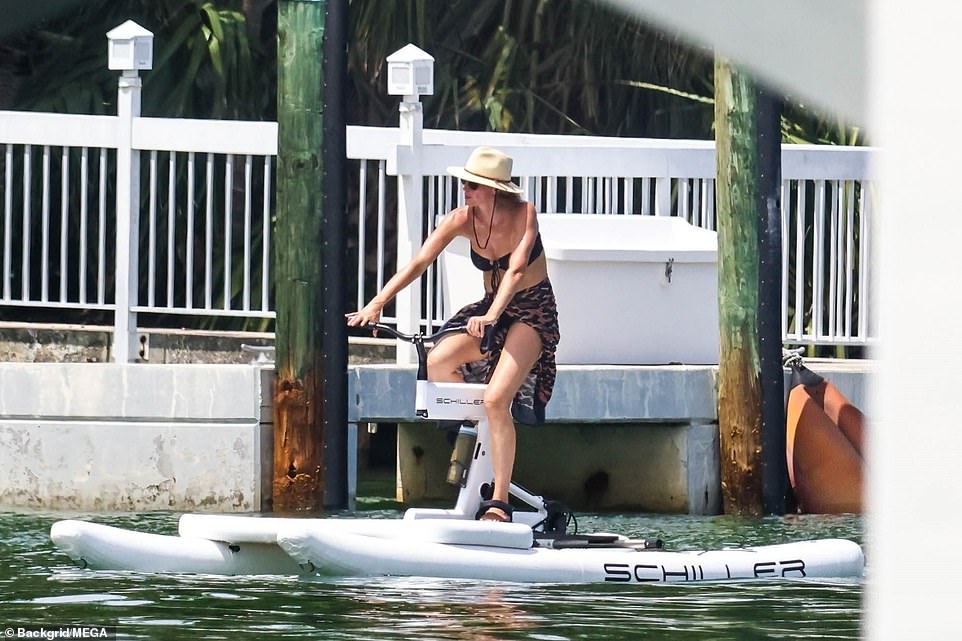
point(631, 290)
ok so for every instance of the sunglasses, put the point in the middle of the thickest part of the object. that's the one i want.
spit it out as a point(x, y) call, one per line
point(470, 185)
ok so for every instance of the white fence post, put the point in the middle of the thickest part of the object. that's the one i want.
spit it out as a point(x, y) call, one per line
point(409, 225)
point(410, 74)
point(129, 49)
point(662, 196)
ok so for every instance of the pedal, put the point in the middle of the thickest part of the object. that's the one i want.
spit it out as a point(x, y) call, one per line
point(645, 544)
point(581, 541)
point(571, 541)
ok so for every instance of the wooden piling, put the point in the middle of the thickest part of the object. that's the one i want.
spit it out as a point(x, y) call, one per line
point(298, 480)
point(739, 377)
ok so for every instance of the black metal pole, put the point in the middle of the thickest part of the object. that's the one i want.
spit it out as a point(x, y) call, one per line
point(333, 249)
point(774, 467)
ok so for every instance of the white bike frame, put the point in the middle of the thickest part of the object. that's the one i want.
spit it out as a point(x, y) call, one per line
point(463, 402)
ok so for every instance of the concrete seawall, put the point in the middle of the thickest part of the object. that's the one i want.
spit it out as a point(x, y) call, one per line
point(86, 436)
point(101, 436)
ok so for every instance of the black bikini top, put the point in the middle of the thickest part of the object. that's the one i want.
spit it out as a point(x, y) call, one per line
point(486, 265)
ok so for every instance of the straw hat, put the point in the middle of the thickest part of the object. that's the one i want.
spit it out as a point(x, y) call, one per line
point(487, 166)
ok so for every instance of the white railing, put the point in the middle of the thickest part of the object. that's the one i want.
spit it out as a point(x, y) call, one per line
point(826, 209)
point(224, 217)
point(205, 188)
point(61, 174)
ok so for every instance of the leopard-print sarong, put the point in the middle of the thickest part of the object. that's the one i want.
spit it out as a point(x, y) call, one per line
point(535, 307)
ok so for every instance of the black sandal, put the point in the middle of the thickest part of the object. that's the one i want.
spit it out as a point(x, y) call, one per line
point(498, 505)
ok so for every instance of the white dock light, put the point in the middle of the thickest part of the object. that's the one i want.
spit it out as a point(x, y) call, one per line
point(130, 47)
point(410, 72)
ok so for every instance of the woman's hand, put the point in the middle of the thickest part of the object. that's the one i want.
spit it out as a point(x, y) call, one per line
point(477, 324)
point(371, 313)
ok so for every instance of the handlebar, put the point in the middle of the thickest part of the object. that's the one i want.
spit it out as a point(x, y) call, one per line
point(419, 339)
point(416, 338)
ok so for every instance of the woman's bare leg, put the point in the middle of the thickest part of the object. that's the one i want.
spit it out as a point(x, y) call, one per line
point(447, 356)
point(521, 350)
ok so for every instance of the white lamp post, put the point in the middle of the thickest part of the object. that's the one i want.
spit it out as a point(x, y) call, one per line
point(130, 48)
point(410, 74)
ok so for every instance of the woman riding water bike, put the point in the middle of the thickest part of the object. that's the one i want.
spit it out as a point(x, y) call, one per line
point(517, 318)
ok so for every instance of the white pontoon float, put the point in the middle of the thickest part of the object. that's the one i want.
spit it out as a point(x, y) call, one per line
point(451, 543)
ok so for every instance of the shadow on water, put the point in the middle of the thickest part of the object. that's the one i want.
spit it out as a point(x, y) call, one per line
point(38, 584)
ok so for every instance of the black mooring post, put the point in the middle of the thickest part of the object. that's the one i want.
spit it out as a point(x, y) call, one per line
point(333, 250)
point(774, 466)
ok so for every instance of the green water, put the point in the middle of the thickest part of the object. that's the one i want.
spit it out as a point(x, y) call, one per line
point(38, 585)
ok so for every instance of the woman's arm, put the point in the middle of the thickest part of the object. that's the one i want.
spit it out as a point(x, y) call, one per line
point(449, 227)
point(513, 275)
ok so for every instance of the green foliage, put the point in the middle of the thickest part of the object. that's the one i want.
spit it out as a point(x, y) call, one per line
point(538, 66)
point(797, 124)
point(205, 65)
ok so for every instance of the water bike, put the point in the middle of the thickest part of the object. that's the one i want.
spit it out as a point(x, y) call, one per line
point(447, 543)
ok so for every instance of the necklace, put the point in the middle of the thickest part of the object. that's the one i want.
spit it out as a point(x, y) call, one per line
point(490, 225)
